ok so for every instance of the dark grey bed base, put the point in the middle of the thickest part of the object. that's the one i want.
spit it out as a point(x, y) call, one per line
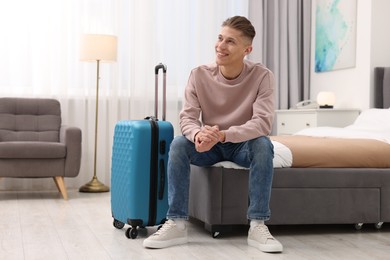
point(219, 196)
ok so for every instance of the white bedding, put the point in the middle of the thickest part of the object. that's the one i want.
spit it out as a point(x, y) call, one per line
point(370, 124)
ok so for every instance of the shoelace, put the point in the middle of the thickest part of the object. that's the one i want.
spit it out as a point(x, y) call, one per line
point(167, 225)
point(264, 231)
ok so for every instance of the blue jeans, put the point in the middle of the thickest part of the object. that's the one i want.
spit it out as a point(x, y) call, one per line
point(256, 154)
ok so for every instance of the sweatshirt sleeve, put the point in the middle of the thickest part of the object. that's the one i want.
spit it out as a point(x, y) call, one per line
point(263, 114)
point(190, 114)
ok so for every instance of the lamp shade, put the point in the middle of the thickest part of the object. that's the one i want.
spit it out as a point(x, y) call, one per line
point(98, 47)
point(326, 99)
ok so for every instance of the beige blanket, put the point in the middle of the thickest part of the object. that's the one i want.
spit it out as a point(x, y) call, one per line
point(329, 152)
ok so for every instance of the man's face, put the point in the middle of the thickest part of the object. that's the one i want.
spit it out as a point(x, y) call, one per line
point(231, 47)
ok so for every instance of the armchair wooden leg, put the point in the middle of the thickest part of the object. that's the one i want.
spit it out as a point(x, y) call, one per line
point(59, 181)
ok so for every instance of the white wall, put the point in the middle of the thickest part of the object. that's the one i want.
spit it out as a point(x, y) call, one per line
point(380, 34)
point(380, 37)
point(351, 86)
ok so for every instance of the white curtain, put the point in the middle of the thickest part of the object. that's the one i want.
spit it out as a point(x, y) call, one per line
point(39, 57)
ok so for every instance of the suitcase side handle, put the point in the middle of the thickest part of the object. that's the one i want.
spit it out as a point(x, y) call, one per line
point(162, 180)
point(164, 108)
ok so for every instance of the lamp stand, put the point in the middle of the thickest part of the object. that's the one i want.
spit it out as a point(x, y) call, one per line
point(95, 185)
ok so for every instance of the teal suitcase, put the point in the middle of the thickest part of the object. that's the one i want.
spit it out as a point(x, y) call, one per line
point(139, 195)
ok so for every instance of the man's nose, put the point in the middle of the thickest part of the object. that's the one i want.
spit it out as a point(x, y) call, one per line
point(221, 44)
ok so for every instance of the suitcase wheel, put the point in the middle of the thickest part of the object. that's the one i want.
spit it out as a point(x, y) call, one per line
point(117, 224)
point(132, 233)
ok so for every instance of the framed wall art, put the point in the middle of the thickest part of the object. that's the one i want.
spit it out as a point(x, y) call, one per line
point(335, 32)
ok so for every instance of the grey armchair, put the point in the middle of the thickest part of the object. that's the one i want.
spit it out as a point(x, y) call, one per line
point(34, 144)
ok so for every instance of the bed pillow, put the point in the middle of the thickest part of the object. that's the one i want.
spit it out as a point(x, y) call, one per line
point(373, 118)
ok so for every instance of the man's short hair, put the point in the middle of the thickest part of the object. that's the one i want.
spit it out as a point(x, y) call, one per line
point(241, 24)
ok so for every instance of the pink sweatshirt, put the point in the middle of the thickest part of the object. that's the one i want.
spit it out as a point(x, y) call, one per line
point(243, 107)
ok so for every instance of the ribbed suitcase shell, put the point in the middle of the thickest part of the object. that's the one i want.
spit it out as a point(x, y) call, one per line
point(131, 181)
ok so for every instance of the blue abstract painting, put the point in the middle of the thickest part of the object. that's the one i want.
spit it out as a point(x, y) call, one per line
point(335, 34)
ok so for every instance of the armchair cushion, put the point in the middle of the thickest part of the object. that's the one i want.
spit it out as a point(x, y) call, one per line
point(25, 119)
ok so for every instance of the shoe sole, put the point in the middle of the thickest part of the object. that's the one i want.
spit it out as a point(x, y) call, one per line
point(163, 244)
point(265, 248)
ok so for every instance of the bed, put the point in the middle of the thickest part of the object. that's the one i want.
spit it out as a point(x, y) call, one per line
point(311, 185)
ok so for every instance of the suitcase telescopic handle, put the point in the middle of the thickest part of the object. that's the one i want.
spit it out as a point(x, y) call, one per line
point(164, 107)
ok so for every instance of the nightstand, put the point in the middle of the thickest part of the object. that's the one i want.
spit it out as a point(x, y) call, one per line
point(292, 120)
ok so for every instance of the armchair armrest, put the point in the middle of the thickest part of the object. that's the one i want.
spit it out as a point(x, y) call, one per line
point(71, 137)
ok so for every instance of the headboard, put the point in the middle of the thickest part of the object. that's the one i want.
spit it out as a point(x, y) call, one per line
point(382, 87)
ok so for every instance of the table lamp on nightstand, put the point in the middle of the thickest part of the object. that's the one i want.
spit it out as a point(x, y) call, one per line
point(97, 48)
point(326, 99)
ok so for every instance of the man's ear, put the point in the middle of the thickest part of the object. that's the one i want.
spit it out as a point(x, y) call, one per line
point(248, 50)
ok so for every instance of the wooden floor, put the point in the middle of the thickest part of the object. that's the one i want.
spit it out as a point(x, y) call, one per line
point(44, 226)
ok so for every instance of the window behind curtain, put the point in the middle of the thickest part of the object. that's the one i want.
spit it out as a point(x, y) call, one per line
point(39, 56)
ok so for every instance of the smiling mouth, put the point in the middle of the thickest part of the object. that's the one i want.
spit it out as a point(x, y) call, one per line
point(221, 55)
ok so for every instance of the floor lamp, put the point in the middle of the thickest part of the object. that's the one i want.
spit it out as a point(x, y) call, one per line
point(97, 48)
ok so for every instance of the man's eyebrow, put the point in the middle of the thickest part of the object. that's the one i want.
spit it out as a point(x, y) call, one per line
point(232, 39)
point(228, 38)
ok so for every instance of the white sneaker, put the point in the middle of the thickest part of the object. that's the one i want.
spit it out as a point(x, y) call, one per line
point(260, 237)
point(168, 235)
